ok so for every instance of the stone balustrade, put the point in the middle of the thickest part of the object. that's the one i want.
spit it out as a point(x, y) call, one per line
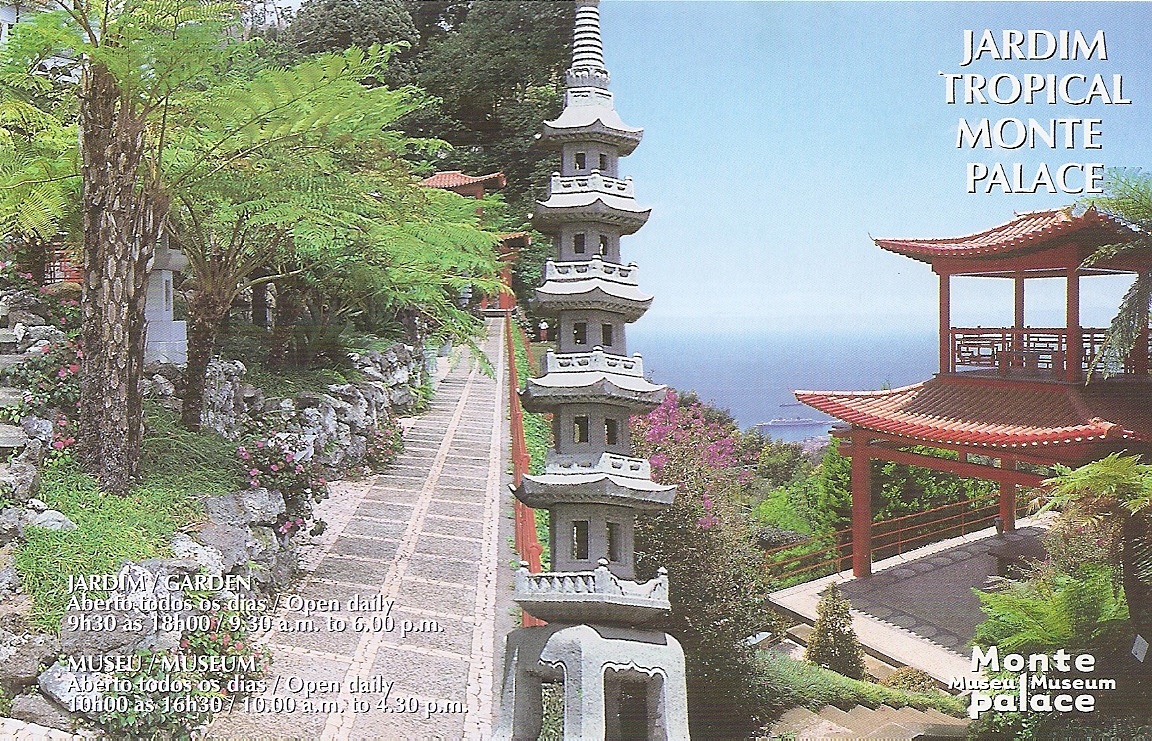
point(611, 463)
point(591, 595)
point(588, 269)
point(597, 360)
point(596, 182)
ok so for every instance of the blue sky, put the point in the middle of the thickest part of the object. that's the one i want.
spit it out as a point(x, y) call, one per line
point(779, 136)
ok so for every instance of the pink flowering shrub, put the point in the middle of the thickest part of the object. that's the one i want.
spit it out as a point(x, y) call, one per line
point(716, 575)
point(63, 439)
point(50, 379)
point(277, 462)
point(385, 443)
point(706, 459)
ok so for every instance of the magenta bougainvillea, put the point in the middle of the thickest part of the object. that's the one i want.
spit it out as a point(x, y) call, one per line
point(705, 458)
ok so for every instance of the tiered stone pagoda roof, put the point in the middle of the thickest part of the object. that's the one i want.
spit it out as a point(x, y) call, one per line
point(996, 413)
point(590, 115)
point(592, 197)
point(591, 391)
point(611, 479)
point(594, 377)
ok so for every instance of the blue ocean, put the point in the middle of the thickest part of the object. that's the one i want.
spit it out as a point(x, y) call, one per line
point(752, 373)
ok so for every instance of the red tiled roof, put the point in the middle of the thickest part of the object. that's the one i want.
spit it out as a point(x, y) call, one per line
point(455, 178)
point(1028, 231)
point(992, 413)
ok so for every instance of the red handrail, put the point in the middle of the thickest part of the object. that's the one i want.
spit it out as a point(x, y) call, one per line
point(527, 544)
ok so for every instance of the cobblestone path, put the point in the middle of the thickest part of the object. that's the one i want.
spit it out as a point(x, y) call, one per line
point(417, 554)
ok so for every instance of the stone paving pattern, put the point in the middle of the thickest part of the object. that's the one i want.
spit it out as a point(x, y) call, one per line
point(932, 596)
point(17, 730)
point(433, 535)
point(917, 609)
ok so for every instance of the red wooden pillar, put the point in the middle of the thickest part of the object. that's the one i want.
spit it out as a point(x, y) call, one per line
point(945, 324)
point(1018, 324)
point(861, 504)
point(1008, 497)
point(1075, 341)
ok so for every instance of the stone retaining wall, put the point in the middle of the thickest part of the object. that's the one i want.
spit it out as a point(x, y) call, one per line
point(335, 425)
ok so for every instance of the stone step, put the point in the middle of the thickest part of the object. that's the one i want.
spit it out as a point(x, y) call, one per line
point(836, 715)
point(12, 436)
point(937, 717)
point(903, 724)
point(8, 361)
point(8, 339)
point(11, 397)
point(866, 721)
point(803, 724)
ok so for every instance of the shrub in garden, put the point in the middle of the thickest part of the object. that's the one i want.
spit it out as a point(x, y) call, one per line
point(910, 679)
point(800, 684)
point(718, 591)
point(833, 644)
point(136, 708)
point(49, 379)
point(162, 697)
point(282, 462)
point(385, 443)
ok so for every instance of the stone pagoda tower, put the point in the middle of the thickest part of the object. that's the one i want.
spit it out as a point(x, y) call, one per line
point(619, 679)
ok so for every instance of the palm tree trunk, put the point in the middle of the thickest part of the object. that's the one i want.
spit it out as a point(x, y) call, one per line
point(122, 218)
point(289, 307)
point(205, 316)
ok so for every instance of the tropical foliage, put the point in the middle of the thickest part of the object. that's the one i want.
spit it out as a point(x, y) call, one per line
point(718, 588)
point(1054, 609)
point(1115, 493)
point(1128, 196)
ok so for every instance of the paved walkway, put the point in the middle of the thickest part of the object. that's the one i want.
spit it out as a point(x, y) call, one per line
point(408, 588)
point(918, 609)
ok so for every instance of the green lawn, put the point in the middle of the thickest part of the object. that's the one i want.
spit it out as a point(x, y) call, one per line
point(180, 467)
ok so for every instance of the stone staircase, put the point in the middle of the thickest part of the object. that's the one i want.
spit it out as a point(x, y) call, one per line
point(883, 722)
point(12, 437)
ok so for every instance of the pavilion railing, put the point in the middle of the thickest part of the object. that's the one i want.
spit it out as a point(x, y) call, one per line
point(818, 556)
point(1041, 350)
point(526, 542)
point(831, 553)
point(900, 534)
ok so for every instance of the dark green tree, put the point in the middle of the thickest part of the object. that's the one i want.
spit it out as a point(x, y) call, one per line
point(499, 72)
point(335, 25)
point(833, 644)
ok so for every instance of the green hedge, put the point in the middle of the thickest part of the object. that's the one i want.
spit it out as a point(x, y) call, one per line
point(800, 684)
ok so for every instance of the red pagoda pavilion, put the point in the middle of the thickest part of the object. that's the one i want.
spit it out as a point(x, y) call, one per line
point(1019, 397)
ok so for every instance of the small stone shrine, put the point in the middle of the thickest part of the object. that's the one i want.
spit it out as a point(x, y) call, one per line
point(620, 680)
point(165, 339)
